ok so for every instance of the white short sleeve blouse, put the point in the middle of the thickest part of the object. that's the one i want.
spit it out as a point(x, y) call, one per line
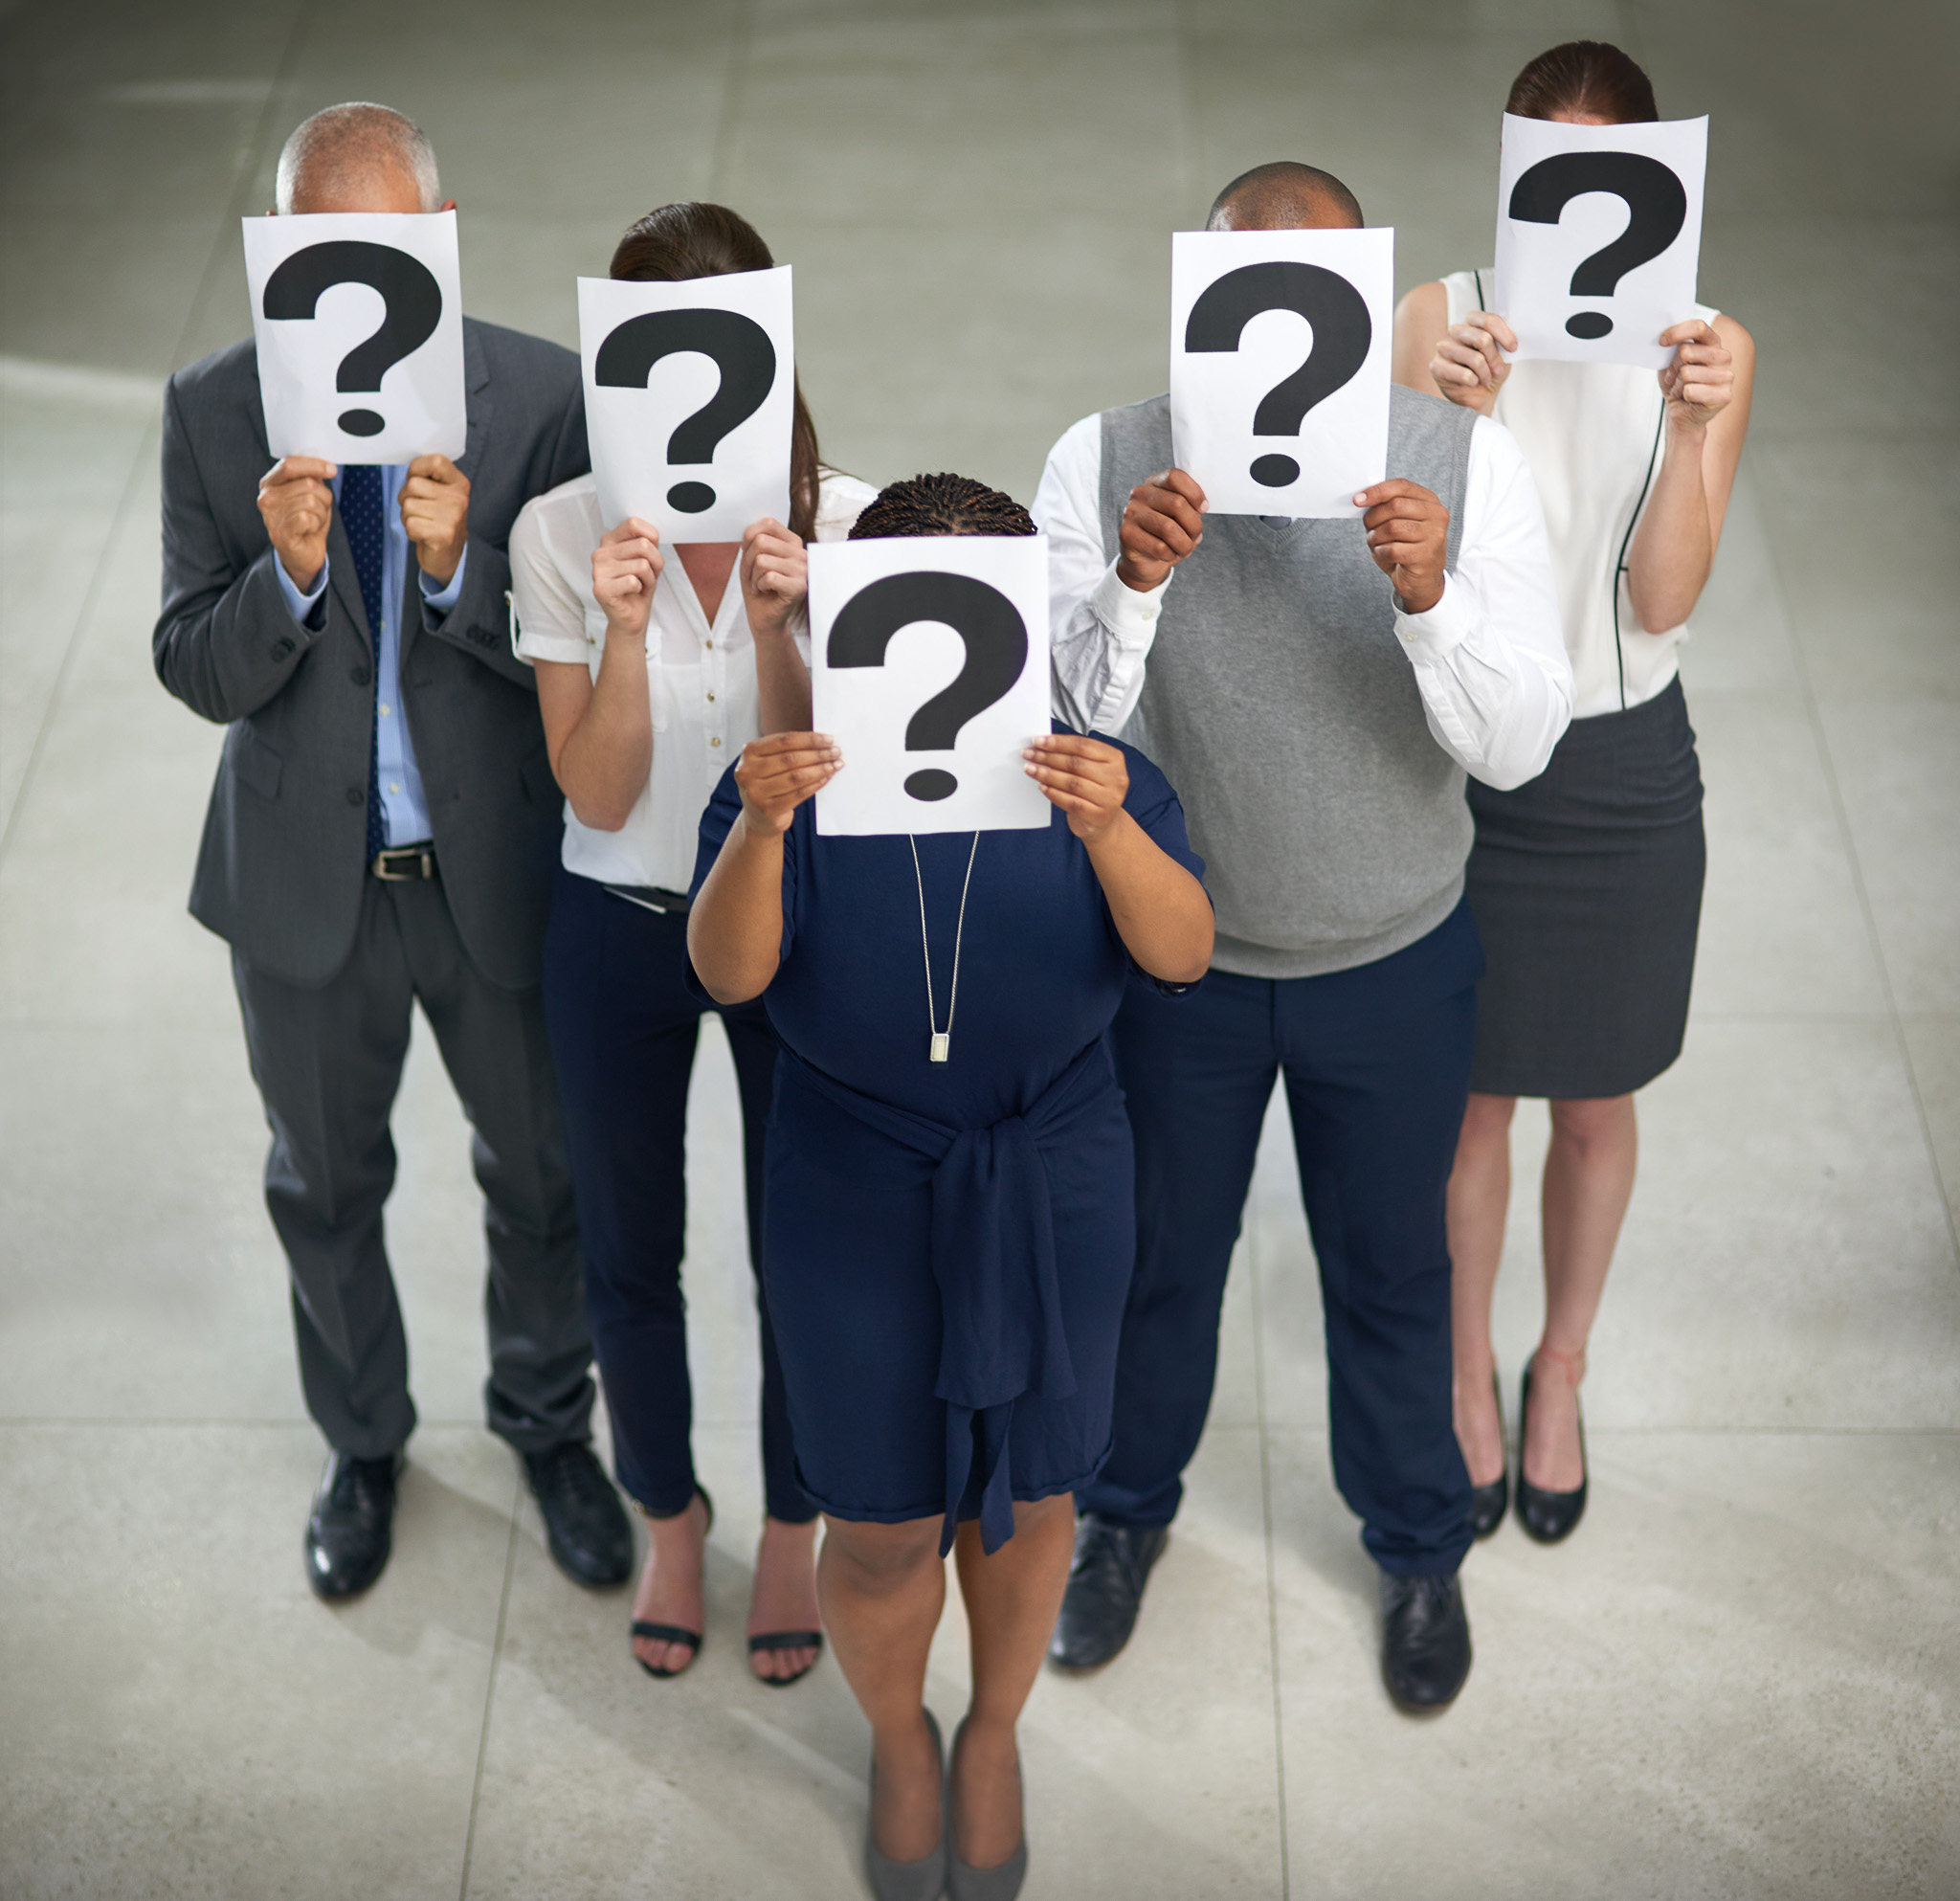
point(701, 678)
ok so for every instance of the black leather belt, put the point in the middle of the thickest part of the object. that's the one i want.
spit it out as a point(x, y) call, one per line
point(653, 898)
point(400, 864)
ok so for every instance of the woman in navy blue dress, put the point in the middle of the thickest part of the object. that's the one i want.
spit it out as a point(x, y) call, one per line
point(947, 1226)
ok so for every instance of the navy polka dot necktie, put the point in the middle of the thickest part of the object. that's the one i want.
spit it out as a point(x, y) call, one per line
point(367, 537)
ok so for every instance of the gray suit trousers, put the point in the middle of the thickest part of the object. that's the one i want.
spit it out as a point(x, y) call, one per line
point(328, 1062)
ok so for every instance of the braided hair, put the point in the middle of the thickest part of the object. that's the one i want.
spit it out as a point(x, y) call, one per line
point(942, 505)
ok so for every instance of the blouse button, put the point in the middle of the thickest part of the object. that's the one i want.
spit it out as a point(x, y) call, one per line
point(711, 696)
point(714, 742)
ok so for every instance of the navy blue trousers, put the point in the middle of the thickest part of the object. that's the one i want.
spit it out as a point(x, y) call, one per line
point(1376, 1063)
point(623, 1028)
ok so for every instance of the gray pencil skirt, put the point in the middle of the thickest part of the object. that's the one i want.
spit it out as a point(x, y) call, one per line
point(1586, 885)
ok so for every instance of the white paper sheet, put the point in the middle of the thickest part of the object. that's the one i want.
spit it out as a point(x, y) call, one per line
point(1279, 344)
point(1596, 255)
point(359, 318)
point(689, 400)
point(894, 624)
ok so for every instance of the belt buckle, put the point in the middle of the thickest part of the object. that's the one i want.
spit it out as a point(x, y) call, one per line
point(418, 857)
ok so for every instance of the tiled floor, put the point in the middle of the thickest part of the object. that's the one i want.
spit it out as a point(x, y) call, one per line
point(1742, 1679)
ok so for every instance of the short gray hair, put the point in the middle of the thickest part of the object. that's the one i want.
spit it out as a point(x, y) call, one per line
point(343, 143)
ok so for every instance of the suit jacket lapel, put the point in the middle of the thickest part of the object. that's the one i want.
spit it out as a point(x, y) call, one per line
point(476, 410)
point(344, 578)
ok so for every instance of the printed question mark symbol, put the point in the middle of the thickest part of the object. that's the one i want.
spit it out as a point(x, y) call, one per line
point(1341, 336)
point(1656, 208)
point(743, 353)
point(407, 286)
point(990, 625)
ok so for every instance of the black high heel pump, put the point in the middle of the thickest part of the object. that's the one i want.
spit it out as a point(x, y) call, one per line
point(1548, 1516)
point(1489, 1503)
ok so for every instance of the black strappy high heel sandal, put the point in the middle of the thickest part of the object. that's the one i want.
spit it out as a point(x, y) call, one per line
point(786, 1640)
point(672, 1633)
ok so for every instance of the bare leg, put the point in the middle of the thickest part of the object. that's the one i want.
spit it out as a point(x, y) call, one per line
point(784, 1595)
point(882, 1588)
point(1012, 1600)
point(1478, 1199)
point(1588, 1181)
point(670, 1585)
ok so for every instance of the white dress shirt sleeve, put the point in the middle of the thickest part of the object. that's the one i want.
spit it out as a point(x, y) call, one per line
point(551, 610)
point(1102, 629)
point(1490, 657)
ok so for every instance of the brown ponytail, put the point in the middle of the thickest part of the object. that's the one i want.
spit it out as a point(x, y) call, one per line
point(1587, 76)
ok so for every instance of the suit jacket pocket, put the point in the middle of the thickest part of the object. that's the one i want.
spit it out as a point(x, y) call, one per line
point(252, 760)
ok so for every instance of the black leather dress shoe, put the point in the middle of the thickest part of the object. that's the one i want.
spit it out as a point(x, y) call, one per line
point(350, 1530)
point(584, 1522)
point(1105, 1588)
point(1489, 1503)
point(1425, 1642)
point(1548, 1516)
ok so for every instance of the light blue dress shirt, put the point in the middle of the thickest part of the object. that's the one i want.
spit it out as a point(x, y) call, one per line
point(403, 806)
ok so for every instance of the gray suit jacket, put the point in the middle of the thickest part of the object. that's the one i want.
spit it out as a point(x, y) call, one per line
point(280, 873)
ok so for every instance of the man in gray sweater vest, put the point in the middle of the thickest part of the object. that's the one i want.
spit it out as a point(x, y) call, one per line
point(1316, 691)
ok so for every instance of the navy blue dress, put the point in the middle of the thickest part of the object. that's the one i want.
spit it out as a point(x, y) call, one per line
point(947, 1246)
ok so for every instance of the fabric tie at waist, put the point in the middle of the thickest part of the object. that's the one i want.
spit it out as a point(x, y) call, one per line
point(992, 1257)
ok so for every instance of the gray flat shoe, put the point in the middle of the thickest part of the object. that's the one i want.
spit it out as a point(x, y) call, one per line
point(923, 1880)
point(966, 1883)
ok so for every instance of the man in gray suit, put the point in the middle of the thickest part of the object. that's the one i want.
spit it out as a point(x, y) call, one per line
point(381, 832)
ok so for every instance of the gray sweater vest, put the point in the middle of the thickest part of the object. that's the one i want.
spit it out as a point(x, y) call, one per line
point(1279, 703)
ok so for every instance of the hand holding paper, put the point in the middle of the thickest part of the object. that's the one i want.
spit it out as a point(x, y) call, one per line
point(626, 568)
point(436, 512)
point(1408, 535)
point(1162, 522)
point(1469, 366)
point(776, 577)
point(1699, 383)
point(297, 506)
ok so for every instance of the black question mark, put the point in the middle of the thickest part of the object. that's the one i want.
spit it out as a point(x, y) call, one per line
point(407, 286)
point(1657, 206)
point(742, 351)
point(996, 640)
point(1342, 332)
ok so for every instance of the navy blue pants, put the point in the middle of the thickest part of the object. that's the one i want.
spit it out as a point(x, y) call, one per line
point(623, 1028)
point(1376, 1063)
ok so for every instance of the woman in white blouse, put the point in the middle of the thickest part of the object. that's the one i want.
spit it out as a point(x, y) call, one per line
point(1586, 882)
point(656, 666)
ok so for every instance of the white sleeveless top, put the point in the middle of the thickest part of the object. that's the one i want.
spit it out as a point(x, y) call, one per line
point(1591, 435)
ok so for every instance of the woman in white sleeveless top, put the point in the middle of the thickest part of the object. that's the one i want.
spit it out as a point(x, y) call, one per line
point(655, 667)
point(1587, 883)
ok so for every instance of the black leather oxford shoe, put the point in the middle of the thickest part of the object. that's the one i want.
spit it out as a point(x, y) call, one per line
point(350, 1530)
point(584, 1522)
point(1105, 1588)
point(1425, 1642)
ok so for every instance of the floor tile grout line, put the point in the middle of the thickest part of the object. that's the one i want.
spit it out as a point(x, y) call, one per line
point(92, 594)
point(1821, 739)
point(490, 1688)
point(1258, 1387)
